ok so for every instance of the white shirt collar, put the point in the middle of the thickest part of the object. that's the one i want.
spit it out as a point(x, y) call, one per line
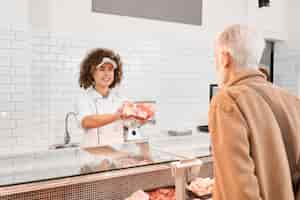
point(92, 92)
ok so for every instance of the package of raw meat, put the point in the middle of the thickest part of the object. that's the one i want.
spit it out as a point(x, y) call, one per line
point(140, 111)
point(138, 195)
point(202, 187)
point(162, 194)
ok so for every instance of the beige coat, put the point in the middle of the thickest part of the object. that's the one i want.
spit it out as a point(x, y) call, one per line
point(255, 132)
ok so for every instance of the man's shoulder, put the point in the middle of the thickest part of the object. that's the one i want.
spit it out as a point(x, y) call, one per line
point(228, 97)
point(223, 100)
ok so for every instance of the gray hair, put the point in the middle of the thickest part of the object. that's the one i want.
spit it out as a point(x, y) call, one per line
point(244, 44)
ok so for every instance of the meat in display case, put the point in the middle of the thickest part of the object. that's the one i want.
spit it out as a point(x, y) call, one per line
point(197, 189)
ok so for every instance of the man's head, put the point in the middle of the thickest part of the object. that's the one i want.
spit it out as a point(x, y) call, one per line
point(237, 47)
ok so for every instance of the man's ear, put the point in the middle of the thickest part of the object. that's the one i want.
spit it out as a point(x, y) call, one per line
point(226, 59)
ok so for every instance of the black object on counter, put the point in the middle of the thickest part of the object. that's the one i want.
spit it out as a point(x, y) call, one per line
point(203, 128)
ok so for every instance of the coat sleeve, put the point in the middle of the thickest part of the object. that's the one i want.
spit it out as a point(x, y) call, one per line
point(234, 169)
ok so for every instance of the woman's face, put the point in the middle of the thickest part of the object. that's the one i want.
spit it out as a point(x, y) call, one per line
point(104, 76)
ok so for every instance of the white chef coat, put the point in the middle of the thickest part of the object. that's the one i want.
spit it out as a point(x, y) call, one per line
point(90, 103)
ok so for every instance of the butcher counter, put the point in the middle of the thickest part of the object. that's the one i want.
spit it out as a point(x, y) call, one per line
point(89, 177)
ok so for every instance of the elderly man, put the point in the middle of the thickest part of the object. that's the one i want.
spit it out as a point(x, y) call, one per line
point(255, 126)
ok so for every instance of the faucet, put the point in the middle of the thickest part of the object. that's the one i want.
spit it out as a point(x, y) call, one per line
point(67, 137)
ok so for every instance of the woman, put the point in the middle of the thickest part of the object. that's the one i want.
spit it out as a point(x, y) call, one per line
point(99, 107)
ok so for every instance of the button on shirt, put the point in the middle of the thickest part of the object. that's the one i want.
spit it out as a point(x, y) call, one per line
point(90, 103)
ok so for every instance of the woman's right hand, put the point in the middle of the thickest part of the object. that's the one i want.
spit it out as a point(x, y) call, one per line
point(121, 115)
point(118, 114)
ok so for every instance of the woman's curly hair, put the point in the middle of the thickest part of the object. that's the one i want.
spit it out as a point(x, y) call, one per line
point(94, 58)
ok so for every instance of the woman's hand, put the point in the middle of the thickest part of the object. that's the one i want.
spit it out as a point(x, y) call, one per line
point(118, 114)
point(121, 115)
point(123, 111)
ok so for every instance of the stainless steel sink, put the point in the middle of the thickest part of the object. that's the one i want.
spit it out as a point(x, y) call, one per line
point(63, 146)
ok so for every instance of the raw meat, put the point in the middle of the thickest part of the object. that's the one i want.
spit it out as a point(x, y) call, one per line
point(127, 162)
point(162, 194)
point(141, 111)
point(201, 186)
point(138, 195)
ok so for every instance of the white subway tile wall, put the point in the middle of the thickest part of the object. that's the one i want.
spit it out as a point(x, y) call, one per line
point(39, 80)
point(287, 64)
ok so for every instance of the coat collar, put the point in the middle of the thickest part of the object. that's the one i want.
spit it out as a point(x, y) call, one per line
point(246, 75)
